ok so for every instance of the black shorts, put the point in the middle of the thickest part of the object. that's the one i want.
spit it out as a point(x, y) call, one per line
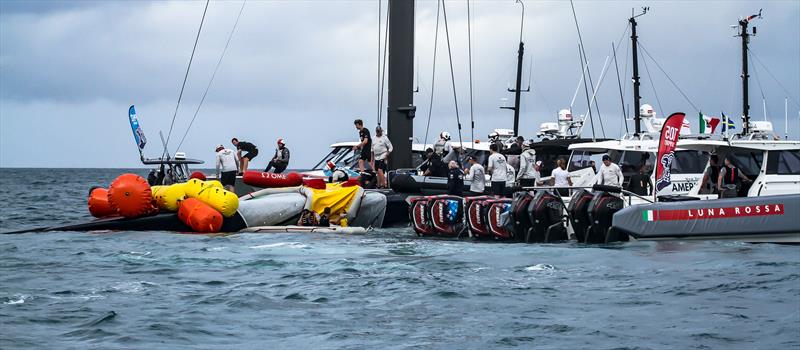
point(228, 178)
point(498, 188)
point(366, 155)
point(251, 155)
point(380, 165)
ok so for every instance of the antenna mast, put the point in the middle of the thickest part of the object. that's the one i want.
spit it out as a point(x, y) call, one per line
point(743, 23)
point(634, 48)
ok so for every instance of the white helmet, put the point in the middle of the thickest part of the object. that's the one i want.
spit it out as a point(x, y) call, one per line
point(494, 136)
point(646, 110)
point(445, 136)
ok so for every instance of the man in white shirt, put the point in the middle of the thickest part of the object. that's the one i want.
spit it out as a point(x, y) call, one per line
point(528, 174)
point(476, 175)
point(561, 178)
point(610, 174)
point(381, 149)
point(227, 166)
point(498, 169)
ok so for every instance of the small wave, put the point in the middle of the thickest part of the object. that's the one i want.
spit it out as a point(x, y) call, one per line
point(540, 267)
point(130, 287)
point(294, 245)
point(17, 299)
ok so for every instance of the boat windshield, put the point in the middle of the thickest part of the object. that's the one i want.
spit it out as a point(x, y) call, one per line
point(749, 162)
point(689, 162)
point(343, 155)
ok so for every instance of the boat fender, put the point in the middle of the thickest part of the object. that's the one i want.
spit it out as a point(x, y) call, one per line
point(223, 201)
point(267, 180)
point(199, 216)
point(130, 196)
point(98, 203)
point(169, 198)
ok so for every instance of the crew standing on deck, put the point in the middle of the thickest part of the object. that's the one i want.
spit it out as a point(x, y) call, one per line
point(455, 180)
point(494, 139)
point(498, 169)
point(610, 174)
point(381, 150)
point(227, 165)
point(476, 175)
point(711, 176)
point(561, 178)
point(730, 179)
point(365, 144)
point(527, 176)
point(281, 158)
point(244, 160)
point(443, 146)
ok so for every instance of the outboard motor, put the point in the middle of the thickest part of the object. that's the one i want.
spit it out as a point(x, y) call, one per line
point(419, 215)
point(447, 215)
point(520, 222)
point(497, 214)
point(578, 211)
point(601, 213)
point(476, 220)
point(546, 213)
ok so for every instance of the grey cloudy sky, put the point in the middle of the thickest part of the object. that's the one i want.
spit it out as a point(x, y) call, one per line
point(303, 70)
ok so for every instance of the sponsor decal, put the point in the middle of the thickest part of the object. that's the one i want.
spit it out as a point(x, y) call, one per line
point(666, 149)
point(713, 213)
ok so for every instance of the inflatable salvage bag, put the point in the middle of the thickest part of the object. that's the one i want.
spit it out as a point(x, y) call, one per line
point(546, 215)
point(128, 196)
point(272, 180)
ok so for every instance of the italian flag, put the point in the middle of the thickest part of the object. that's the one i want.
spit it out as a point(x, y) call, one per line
point(708, 124)
point(648, 215)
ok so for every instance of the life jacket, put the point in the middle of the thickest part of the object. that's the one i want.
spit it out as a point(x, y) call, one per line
point(438, 147)
point(714, 177)
point(731, 176)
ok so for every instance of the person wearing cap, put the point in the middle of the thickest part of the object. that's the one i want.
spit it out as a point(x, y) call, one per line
point(499, 170)
point(455, 179)
point(281, 158)
point(528, 175)
point(381, 150)
point(227, 166)
point(476, 175)
point(609, 174)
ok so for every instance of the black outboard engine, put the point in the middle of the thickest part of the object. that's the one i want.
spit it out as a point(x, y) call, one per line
point(475, 208)
point(419, 215)
point(447, 215)
point(520, 223)
point(546, 213)
point(601, 212)
point(578, 211)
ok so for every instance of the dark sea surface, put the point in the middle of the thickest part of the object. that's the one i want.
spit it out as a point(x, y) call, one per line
point(384, 290)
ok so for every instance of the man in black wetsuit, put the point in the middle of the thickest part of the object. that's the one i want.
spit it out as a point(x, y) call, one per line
point(251, 149)
point(640, 183)
point(435, 166)
point(365, 144)
point(455, 180)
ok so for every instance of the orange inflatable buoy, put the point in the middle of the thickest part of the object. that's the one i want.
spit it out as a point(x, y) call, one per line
point(98, 203)
point(130, 196)
point(199, 216)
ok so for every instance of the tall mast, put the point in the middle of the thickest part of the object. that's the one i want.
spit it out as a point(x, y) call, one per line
point(637, 118)
point(401, 107)
point(518, 86)
point(743, 23)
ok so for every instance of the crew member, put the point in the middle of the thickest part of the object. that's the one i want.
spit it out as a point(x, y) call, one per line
point(455, 180)
point(610, 174)
point(730, 179)
point(528, 175)
point(325, 218)
point(443, 146)
point(365, 145)
point(494, 138)
point(381, 149)
point(476, 175)
point(281, 158)
point(711, 176)
point(227, 166)
point(499, 170)
point(516, 147)
point(435, 166)
point(307, 218)
point(453, 155)
point(561, 178)
point(640, 183)
point(244, 160)
point(511, 175)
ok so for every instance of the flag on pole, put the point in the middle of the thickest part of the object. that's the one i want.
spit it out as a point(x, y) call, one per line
point(727, 123)
point(708, 124)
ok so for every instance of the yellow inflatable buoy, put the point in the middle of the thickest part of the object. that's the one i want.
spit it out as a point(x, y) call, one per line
point(169, 198)
point(225, 202)
point(194, 186)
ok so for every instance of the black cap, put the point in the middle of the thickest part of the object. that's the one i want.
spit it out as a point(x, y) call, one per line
point(606, 157)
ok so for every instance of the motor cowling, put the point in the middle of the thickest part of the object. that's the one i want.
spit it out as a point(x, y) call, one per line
point(520, 220)
point(497, 213)
point(447, 215)
point(419, 216)
point(475, 208)
point(578, 211)
point(546, 212)
point(601, 213)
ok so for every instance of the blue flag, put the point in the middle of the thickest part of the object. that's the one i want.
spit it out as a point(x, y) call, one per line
point(138, 133)
point(727, 124)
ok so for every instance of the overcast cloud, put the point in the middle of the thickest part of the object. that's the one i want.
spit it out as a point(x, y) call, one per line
point(303, 70)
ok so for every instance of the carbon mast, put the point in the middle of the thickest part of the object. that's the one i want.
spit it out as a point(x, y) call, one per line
point(400, 108)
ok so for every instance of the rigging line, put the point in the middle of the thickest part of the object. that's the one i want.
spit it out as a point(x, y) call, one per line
point(625, 72)
point(619, 84)
point(378, 63)
point(763, 97)
point(214, 74)
point(789, 95)
point(185, 77)
point(469, 54)
point(669, 78)
point(433, 72)
point(653, 86)
point(586, 90)
point(577, 88)
point(452, 73)
point(588, 72)
point(383, 69)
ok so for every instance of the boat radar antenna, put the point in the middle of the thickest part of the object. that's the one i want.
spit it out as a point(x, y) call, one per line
point(634, 49)
point(743, 33)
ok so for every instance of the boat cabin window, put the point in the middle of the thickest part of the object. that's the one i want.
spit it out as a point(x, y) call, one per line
point(749, 162)
point(783, 162)
point(343, 155)
point(689, 162)
point(581, 160)
point(631, 161)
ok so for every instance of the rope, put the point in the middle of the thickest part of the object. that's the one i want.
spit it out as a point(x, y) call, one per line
point(763, 98)
point(670, 78)
point(378, 63)
point(469, 50)
point(653, 86)
point(213, 74)
point(452, 73)
point(588, 72)
point(185, 77)
point(788, 95)
point(383, 69)
point(619, 84)
point(433, 73)
point(586, 89)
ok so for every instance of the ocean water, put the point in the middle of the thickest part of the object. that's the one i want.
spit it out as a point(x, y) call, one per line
point(384, 290)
